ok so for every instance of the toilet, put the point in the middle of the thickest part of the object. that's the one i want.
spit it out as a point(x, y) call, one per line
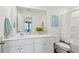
point(61, 47)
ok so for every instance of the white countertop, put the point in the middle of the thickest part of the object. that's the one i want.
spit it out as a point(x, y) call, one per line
point(27, 37)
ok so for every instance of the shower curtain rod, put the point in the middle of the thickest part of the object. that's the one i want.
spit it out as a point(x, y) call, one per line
point(71, 11)
point(74, 10)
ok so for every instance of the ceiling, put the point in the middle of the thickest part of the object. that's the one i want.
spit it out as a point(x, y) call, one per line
point(29, 9)
point(51, 7)
point(54, 9)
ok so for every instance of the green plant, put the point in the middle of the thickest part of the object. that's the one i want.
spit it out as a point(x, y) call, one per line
point(39, 29)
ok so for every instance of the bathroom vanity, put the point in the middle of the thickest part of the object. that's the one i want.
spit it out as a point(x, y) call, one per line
point(29, 44)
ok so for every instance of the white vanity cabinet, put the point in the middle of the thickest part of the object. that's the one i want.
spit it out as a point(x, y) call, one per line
point(18, 46)
point(30, 45)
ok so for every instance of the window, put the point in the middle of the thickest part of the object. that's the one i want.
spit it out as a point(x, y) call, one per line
point(27, 24)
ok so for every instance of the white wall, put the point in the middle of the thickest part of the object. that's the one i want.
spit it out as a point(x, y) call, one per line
point(65, 27)
point(52, 30)
point(56, 30)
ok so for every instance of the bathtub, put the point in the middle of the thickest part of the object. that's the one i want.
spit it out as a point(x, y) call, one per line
point(74, 46)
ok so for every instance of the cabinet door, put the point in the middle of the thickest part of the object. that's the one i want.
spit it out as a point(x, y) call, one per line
point(18, 46)
point(27, 49)
point(41, 45)
point(48, 45)
point(44, 45)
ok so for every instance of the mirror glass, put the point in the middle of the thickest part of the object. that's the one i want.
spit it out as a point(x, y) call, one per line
point(28, 19)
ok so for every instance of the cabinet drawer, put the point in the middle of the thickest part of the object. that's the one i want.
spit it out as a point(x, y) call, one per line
point(39, 41)
point(27, 49)
point(44, 40)
point(18, 42)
